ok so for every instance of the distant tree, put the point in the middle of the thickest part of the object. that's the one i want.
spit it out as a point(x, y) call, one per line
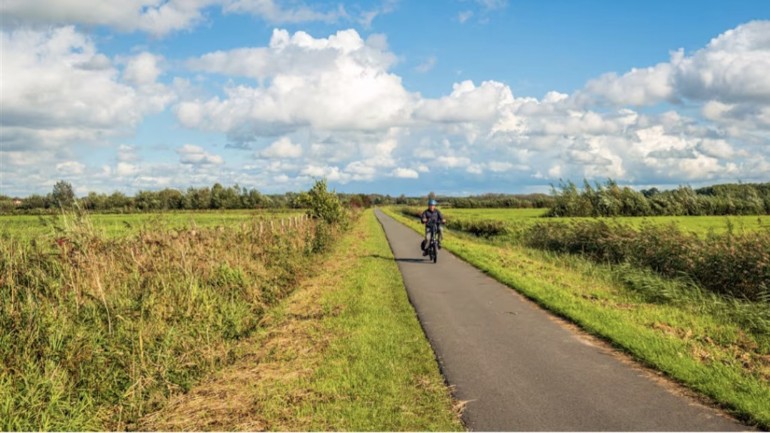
point(252, 199)
point(6, 204)
point(95, 201)
point(118, 200)
point(147, 200)
point(217, 199)
point(36, 201)
point(198, 198)
point(230, 198)
point(170, 198)
point(63, 195)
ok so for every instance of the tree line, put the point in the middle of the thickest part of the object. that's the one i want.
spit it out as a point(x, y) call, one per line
point(599, 199)
point(610, 199)
point(237, 197)
point(214, 197)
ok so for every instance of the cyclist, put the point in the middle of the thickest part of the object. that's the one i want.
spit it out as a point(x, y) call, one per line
point(428, 216)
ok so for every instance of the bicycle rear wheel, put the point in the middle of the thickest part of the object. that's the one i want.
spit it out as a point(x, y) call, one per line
point(434, 253)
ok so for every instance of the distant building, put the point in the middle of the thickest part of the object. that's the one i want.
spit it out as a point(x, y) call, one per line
point(17, 202)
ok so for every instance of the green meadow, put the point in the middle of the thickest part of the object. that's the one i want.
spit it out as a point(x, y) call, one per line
point(702, 225)
point(113, 225)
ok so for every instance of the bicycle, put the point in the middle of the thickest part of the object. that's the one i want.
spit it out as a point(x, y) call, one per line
point(433, 246)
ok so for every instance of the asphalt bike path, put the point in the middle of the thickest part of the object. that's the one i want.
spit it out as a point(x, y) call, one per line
point(518, 368)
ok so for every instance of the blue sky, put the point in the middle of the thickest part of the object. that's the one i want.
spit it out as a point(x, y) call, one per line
point(457, 97)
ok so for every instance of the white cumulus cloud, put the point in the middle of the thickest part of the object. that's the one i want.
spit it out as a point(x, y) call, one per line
point(57, 91)
point(732, 68)
point(157, 17)
point(282, 148)
point(70, 167)
point(335, 83)
point(405, 173)
point(196, 155)
point(153, 16)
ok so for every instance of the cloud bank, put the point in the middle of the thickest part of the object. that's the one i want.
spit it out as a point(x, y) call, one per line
point(303, 107)
point(337, 96)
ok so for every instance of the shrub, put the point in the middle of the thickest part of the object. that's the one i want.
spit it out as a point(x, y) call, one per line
point(610, 199)
point(323, 204)
point(482, 228)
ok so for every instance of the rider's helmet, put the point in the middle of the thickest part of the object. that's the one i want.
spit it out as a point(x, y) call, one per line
point(432, 202)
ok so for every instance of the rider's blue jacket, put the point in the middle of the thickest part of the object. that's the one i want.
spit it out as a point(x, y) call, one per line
point(432, 216)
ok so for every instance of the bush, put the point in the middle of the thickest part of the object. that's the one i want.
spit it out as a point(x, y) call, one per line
point(610, 199)
point(323, 204)
point(482, 228)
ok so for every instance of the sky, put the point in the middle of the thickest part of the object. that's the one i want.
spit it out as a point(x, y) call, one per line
point(382, 96)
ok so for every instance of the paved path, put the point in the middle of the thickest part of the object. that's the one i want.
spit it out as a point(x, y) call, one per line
point(521, 370)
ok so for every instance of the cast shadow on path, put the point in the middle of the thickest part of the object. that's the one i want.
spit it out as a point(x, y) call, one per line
point(401, 259)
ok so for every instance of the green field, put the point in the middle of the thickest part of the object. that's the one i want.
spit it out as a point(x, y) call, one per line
point(701, 225)
point(112, 225)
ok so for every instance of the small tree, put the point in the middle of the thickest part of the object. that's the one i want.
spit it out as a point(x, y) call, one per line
point(63, 194)
point(323, 204)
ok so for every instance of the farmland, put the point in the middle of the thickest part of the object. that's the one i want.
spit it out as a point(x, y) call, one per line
point(116, 224)
point(701, 225)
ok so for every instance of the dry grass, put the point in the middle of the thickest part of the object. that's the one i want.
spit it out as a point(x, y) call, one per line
point(287, 351)
point(97, 332)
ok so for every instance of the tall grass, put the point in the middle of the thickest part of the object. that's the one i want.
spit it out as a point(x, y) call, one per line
point(96, 331)
point(735, 264)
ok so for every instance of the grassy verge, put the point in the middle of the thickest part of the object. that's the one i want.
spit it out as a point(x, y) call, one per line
point(703, 342)
point(344, 352)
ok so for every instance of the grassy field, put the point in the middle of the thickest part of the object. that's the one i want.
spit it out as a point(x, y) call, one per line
point(97, 331)
point(112, 225)
point(719, 347)
point(344, 353)
point(701, 225)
